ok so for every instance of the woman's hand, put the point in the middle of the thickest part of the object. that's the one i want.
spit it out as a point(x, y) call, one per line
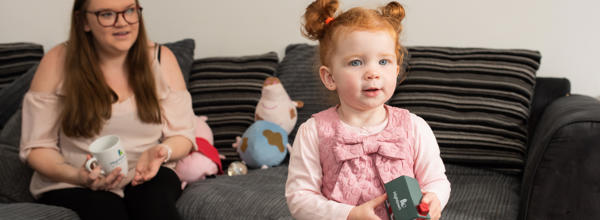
point(367, 209)
point(96, 181)
point(435, 207)
point(148, 164)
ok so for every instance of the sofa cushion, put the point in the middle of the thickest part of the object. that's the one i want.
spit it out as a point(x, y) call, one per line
point(226, 90)
point(298, 72)
point(14, 174)
point(479, 193)
point(12, 95)
point(16, 72)
point(12, 134)
point(184, 52)
point(476, 100)
point(260, 194)
point(16, 59)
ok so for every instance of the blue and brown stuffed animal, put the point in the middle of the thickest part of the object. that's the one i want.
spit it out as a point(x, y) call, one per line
point(265, 142)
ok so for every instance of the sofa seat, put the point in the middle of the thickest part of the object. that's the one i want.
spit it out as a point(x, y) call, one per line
point(477, 193)
point(35, 211)
point(256, 195)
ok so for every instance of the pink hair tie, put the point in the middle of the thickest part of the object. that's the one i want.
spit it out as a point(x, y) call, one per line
point(329, 19)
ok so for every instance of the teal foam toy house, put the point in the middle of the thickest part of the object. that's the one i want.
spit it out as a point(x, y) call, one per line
point(404, 195)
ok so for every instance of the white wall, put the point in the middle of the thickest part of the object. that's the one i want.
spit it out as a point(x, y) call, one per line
point(566, 32)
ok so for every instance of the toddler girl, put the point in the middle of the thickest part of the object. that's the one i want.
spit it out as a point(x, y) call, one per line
point(342, 156)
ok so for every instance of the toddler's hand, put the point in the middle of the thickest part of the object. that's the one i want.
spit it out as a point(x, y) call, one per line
point(367, 210)
point(435, 208)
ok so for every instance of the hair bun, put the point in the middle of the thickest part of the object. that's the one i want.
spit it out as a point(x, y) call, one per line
point(315, 16)
point(395, 13)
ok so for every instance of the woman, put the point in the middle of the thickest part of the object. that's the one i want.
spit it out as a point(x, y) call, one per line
point(107, 79)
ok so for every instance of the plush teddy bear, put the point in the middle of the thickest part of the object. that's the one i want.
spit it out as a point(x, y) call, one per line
point(203, 162)
point(264, 143)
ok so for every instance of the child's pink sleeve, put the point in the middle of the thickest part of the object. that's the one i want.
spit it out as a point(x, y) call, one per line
point(429, 168)
point(303, 186)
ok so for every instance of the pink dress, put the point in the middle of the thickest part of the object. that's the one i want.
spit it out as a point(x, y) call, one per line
point(354, 163)
point(40, 128)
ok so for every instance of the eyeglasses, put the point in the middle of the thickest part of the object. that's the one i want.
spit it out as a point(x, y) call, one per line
point(108, 18)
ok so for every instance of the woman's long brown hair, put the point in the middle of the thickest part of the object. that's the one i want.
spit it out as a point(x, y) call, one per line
point(88, 98)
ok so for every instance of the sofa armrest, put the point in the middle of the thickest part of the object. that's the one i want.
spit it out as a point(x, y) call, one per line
point(560, 180)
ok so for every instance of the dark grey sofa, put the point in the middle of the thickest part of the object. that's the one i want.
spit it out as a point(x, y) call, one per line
point(556, 178)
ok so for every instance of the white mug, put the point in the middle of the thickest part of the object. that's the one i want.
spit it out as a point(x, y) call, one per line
point(109, 153)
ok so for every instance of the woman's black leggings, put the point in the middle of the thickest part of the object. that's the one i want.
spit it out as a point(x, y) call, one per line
point(154, 199)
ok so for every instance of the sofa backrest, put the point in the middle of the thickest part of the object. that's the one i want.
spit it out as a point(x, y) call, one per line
point(16, 62)
point(227, 89)
point(16, 59)
point(476, 100)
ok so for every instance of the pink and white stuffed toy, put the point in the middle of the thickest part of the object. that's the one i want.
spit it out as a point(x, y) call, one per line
point(203, 162)
point(276, 106)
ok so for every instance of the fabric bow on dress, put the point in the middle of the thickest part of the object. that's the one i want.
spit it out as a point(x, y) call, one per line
point(355, 147)
point(368, 161)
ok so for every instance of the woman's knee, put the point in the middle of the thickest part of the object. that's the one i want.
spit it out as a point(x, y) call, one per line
point(165, 185)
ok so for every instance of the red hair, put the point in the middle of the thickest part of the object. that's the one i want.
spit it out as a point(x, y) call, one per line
point(387, 18)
